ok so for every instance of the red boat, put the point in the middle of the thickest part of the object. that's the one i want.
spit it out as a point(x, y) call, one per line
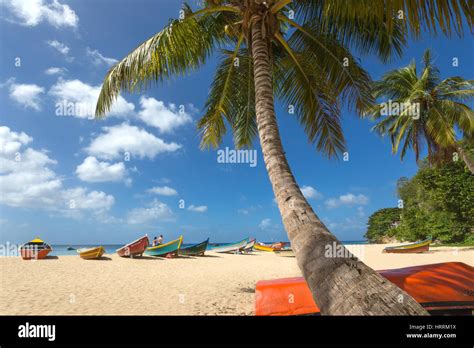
point(135, 248)
point(441, 288)
point(35, 249)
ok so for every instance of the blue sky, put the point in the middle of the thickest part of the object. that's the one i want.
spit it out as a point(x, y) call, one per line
point(72, 182)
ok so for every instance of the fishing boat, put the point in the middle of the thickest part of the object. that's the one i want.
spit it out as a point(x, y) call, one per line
point(228, 247)
point(35, 249)
point(135, 248)
point(441, 288)
point(194, 250)
point(262, 247)
point(70, 248)
point(170, 248)
point(417, 247)
point(91, 253)
point(285, 252)
point(249, 246)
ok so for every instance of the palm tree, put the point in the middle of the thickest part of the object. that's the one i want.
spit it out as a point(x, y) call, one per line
point(422, 108)
point(298, 52)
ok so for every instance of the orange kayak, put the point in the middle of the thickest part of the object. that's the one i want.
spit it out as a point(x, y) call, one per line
point(440, 287)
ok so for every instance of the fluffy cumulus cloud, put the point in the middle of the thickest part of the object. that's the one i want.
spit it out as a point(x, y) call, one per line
point(166, 118)
point(27, 95)
point(93, 170)
point(163, 191)
point(29, 182)
point(76, 98)
point(124, 139)
point(33, 12)
point(155, 211)
point(198, 208)
point(348, 199)
point(310, 192)
point(98, 59)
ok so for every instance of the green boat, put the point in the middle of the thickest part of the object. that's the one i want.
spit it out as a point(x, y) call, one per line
point(170, 248)
point(194, 250)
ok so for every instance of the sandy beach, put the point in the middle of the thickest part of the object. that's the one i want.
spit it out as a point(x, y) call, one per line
point(217, 284)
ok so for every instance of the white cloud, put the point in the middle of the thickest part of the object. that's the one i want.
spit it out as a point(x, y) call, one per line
point(248, 210)
point(265, 224)
point(163, 191)
point(32, 12)
point(27, 95)
point(198, 209)
point(98, 59)
point(347, 199)
point(166, 118)
point(92, 170)
point(55, 71)
point(156, 210)
point(81, 98)
point(117, 140)
point(80, 198)
point(29, 182)
point(310, 192)
point(59, 46)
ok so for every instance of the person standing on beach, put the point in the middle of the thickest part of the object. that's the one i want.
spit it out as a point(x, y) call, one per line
point(160, 240)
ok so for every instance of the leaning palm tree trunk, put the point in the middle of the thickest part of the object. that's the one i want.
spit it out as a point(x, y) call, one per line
point(340, 285)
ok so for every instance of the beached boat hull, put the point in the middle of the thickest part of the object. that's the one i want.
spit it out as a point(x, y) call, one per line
point(35, 250)
point(194, 250)
point(91, 253)
point(31, 254)
point(170, 248)
point(440, 288)
point(249, 246)
point(260, 247)
point(418, 247)
point(229, 247)
point(135, 248)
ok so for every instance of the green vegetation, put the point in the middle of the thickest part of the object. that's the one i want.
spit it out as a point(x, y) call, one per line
point(438, 201)
point(382, 224)
point(422, 110)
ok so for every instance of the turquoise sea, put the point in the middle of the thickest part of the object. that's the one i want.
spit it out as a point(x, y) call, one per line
point(62, 249)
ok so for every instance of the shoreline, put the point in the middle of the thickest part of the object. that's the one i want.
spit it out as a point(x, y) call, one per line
point(216, 284)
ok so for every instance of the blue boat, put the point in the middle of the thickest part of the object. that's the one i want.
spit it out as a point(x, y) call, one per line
point(228, 247)
point(194, 250)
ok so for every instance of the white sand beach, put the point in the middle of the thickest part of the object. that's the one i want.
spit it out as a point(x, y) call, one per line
point(217, 284)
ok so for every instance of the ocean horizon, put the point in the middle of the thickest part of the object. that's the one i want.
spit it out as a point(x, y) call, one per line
point(62, 249)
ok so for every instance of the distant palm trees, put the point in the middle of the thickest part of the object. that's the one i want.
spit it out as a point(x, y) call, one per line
point(296, 51)
point(420, 108)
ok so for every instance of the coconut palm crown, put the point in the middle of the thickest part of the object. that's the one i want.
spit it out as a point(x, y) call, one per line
point(420, 108)
point(300, 53)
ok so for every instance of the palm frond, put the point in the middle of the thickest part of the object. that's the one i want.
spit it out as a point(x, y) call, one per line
point(182, 46)
point(349, 80)
point(417, 15)
point(231, 99)
point(313, 98)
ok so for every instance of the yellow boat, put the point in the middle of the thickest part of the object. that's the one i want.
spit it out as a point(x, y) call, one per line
point(262, 247)
point(91, 253)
